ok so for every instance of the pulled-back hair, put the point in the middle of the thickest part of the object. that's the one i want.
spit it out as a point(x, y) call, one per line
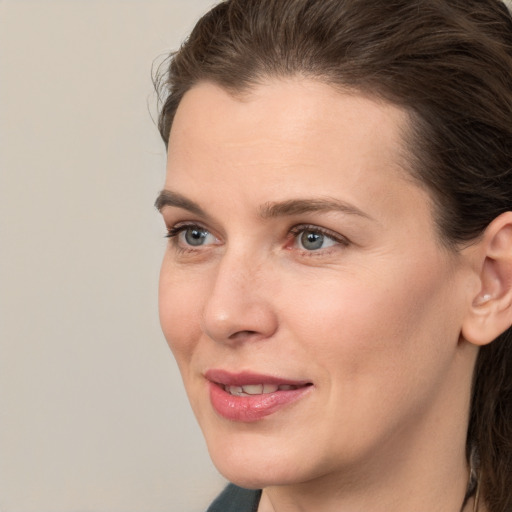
point(448, 63)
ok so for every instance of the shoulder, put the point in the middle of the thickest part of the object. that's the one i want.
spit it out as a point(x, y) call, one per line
point(236, 499)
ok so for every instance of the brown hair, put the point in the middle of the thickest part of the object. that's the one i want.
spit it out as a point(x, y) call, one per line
point(448, 63)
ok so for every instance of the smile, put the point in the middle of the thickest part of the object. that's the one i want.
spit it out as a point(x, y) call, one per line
point(247, 397)
point(257, 389)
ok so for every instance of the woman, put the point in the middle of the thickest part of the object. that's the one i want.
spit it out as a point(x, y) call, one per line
point(337, 287)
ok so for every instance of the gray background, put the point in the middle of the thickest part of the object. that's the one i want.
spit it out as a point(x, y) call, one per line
point(92, 412)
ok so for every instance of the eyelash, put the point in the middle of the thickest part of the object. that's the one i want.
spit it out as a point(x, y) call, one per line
point(301, 228)
point(174, 231)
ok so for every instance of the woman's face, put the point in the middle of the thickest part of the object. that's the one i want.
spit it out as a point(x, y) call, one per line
point(314, 315)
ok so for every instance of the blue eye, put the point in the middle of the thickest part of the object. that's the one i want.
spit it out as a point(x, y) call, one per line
point(192, 236)
point(313, 239)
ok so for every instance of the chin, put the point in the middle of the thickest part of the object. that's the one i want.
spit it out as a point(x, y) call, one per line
point(244, 461)
point(258, 461)
point(255, 476)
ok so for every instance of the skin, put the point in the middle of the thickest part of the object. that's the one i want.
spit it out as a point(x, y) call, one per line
point(372, 318)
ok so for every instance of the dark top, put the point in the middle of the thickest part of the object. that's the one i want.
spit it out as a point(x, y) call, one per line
point(236, 499)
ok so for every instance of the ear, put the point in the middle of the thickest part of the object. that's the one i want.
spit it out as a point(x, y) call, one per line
point(490, 313)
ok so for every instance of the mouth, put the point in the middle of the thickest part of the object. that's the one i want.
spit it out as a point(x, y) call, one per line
point(259, 389)
point(248, 397)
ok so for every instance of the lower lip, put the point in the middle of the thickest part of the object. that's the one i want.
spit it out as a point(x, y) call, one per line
point(252, 408)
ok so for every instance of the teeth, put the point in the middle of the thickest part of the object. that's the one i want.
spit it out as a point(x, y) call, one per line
point(234, 390)
point(257, 389)
point(254, 389)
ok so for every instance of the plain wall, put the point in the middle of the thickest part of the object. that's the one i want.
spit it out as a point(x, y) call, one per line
point(93, 416)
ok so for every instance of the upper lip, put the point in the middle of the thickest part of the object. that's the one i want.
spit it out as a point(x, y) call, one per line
point(245, 378)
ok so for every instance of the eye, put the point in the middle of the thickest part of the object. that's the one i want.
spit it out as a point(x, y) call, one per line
point(191, 235)
point(314, 238)
point(194, 236)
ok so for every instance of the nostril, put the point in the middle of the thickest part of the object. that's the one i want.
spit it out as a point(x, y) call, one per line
point(243, 334)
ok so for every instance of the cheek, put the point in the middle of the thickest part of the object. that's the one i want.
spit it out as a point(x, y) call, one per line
point(380, 347)
point(376, 326)
point(180, 303)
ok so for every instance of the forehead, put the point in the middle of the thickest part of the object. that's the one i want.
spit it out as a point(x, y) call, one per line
point(296, 104)
point(293, 118)
point(287, 134)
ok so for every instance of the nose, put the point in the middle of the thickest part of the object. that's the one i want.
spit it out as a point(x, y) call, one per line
point(239, 306)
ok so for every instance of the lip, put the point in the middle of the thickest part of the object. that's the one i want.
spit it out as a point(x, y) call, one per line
point(251, 408)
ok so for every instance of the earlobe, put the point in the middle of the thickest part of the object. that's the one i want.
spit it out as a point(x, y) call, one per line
point(490, 313)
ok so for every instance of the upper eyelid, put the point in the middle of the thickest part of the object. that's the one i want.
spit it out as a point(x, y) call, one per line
point(312, 227)
point(298, 228)
point(187, 224)
point(173, 222)
point(182, 226)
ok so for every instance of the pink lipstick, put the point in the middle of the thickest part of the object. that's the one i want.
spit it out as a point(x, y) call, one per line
point(249, 397)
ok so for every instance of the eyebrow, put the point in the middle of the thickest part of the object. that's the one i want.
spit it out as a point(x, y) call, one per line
point(169, 198)
point(268, 210)
point(300, 206)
